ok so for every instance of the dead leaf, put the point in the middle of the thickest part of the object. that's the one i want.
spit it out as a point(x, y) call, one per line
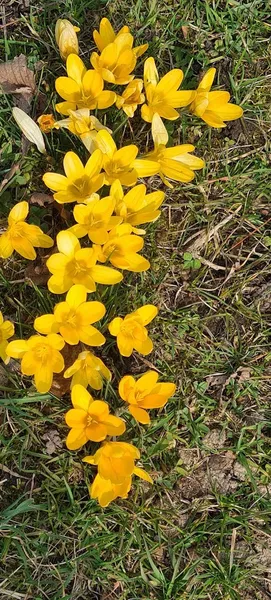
point(37, 271)
point(185, 30)
point(76, 473)
point(216, 379)
point(17, 79)
point(10, 472)
point(41, 199)
point(60, 385)
point(53, 441)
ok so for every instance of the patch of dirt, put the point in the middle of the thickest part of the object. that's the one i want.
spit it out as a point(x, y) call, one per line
point(215, 473)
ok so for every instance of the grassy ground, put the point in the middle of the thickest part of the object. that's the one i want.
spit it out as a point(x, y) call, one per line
point(202, 531)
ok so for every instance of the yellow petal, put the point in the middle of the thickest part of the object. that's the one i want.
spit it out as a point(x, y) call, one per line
point(64, 108)
point(143, 347)
point(24, 247)
point(159, 132)
point(81, 399)
point(229, 112)
point(43, 378)
point(147, 313)
point(76, 417)
point(73, 166)
point(150, 72)
point(106, 275)
point(115, 325)
point(68, 89)
point(114, 425)
point(170, 82)
point(94, 163)
point(139, 414)
point(105, 143)
point(142, 474)
point(147, 113)
point(213, 119)
point(207, 80)
point(125, 344)
point(17, 348)
point(76, 296)
point(6, 247)
point(67, 243)
point(76, 439)
point(55, 341)
point(90, 312)
point(46, 324)
point(92, 84)
point(75, 68)
point(147, 381)
point(145, 167)
point(55, 181)
point(18, 213)
point(125, 156)
point(105, 99)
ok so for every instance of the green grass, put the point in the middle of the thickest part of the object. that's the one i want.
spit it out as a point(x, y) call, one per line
point(212, 336)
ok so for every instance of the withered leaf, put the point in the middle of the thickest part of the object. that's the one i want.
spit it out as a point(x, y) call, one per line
point(53, 441)
point(41, 199)
point(60, 385)
point(37, 271)
point(17, 79)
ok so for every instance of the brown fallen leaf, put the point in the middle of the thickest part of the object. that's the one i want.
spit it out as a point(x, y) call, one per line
point(10, 174)
point(37, 271)
point(41, 199)
point(53, 441)
point(60, 385)
point(185, 31)
point(17, 79)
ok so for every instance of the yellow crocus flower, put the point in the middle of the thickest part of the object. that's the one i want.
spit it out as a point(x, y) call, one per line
point(6, 331)
point(40, 356)
point(119, 164)
point(174, 163)
point(81, 123)
point(95, 219)
point(131, 97)
point(105, 491)
point(74, 319)
point(136, 207)
point(73, 264)
point(82, 88)
point(214, 107)
point(106, 35)
point(80, 181)
point(163, 97)
point(90, 420)
point(116, 61)
point(116, 462)
point(88, 369)
point(122, 249)
point(22, 237)
point(66, 38)
point(145, 393)
point(131, 332)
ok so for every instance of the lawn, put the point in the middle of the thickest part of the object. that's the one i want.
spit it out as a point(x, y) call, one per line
point(202, 531)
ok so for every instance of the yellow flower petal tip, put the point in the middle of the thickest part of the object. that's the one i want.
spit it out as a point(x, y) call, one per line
point(131, 331)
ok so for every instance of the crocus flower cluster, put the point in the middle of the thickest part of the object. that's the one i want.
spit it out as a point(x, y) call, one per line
point(105, 238)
